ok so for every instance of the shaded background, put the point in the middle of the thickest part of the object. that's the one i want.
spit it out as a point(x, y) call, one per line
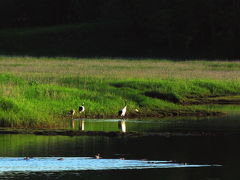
point(121, 28)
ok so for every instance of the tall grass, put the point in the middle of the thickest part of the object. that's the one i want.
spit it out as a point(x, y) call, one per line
point(119, 68)
point(38, 92)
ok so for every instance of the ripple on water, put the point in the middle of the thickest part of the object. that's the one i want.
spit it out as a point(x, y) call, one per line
point(83, 163)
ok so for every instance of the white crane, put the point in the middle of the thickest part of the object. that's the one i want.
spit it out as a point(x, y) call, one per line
point(81, 108)
point(123, 111)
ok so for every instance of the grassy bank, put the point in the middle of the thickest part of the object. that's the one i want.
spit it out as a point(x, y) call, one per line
point(38, 92)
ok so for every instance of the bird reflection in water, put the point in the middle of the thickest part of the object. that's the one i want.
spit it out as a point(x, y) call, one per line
point(80, 124)
point(122, 126)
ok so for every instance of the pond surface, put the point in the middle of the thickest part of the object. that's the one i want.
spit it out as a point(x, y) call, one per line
point(39, 164)
point(224, 123)
point(126, 157)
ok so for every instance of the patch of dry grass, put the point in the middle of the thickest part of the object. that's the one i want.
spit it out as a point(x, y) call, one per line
point(120, 68)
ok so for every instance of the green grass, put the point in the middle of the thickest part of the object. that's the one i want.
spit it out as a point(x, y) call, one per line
point(38, 92)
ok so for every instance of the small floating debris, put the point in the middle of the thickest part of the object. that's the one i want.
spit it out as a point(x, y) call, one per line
point(97, 156)
point(60, 159)
point(26, 158)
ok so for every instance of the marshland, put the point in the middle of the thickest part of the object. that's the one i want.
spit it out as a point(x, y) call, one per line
point(39, 92)
point(119, 89)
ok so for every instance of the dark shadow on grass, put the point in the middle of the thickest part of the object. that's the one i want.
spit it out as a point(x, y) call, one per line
point(164, 96)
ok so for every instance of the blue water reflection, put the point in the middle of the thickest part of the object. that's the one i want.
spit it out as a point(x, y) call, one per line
point(19, 164)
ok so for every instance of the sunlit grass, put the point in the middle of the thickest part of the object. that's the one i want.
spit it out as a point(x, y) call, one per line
point(120, 68)
point(38, 92)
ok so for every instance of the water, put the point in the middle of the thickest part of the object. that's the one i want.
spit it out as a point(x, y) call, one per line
point(39, 164)
point(227, 123)
point(126, 157)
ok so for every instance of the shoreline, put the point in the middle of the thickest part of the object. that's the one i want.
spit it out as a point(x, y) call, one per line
point(160, 115)
point(214, 100)
point(133, 134)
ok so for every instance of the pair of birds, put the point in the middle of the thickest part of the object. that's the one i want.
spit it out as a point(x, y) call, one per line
point(80, 109)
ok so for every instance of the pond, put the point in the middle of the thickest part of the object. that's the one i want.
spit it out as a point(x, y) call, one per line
point(126, 157)
point(225, 123)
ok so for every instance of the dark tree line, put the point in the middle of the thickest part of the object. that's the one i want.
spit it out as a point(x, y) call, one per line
point(193, 27)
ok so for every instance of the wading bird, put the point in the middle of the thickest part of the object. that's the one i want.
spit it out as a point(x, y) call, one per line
point(72, 112)
point(122, 112)
point(81, 108)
